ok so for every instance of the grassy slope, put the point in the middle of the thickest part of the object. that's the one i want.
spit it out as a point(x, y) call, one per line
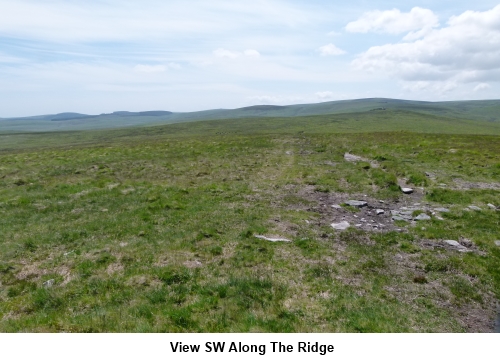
point(486, 111)
point(152, 229)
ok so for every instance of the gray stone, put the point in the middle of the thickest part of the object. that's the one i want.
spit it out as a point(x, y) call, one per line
point(358, 225)
point(407, 190)
point(398, 218)
point(442, 210)
point(279, 239)
point(336, 206)
point(422, 217)
point(473, 207)
point(491, 206)
point(497, 243)
point(49, 283)
point(356, 203)
point(341, 226)
point(454, 244)
point(352, 157)
point(379, 211)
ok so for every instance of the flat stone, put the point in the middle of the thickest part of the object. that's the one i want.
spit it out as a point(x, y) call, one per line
point(341, 226)
point(439, 218)
point(358, 225)
point(279, 239)
point(497, 243)
point(407, 190)
point(352, 157)
point(454, 244)
point(442, 210)
point(356, 203)
point(491, 206)
point(473, 207)
point(422, 217)
point(398, 218)
point(379, 211)
point(49, 283)
point(336, 206)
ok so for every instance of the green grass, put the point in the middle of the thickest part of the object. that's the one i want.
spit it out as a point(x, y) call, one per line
point(152, 229)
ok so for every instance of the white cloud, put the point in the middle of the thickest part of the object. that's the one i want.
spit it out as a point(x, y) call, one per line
point(466, 50)
point(325, 95)
point(330, 49)
point(224, 53)
point(481, 87)
point(418, 22)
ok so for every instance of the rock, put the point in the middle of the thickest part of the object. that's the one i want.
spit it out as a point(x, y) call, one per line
point(49, 283)
point(398, 218)
point(491, 206)
point(379, 211)
point(497, 243)
point(473, 207)
point(341, 226)
point(356, 203)
point(454, 244)
point(422, 217)
point(279, 239)
point(406, 190)
point(358, 225)
point(352, 158)
point(336, 206)
point(442, 210)
point(439, 218)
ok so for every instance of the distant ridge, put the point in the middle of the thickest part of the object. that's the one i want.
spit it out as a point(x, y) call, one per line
point(482, 110)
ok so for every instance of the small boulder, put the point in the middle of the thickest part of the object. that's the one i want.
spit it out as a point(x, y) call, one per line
point(336, 206)
point(407, 190)
point(497, 243)
point(341, 226)
point(491, 206)
point(454, 244)
point(422, 217)
point(356, 203)
point(473, 207)
point(379, 211)
point(49, 283)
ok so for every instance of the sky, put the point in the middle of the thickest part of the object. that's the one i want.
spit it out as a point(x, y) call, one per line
point(100, 56)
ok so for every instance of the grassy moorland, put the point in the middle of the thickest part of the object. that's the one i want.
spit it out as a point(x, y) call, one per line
point(153, 229)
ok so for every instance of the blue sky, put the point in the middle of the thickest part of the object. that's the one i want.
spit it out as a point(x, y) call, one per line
point(103, 56)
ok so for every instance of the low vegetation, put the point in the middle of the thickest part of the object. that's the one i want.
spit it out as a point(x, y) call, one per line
point(153, 229)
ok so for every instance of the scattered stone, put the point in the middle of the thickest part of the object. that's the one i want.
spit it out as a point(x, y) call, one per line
point(308, 222)
point(473, 207)
point(356, 203)
point(104, 210)
point(467, 209)
point(497, 243)
point(279, 239)
point(439, 218)
point(336, 206)
point(491, 206)
point(67, 253)
point(455, 244)
point(422, 217)
point(289, 153)
point(398, 218)
point(358, 225)
point(352, 158)
point(406, 190)
point(49, 283)
point(442, 210)
point(341, 226)
point(379, 211)
point(430, 175)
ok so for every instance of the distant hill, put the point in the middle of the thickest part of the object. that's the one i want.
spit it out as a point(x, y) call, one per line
point(484, 110)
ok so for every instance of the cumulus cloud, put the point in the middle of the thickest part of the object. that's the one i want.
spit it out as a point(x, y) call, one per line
point(418, 22)
point(466, 50)
point(251, 53)
point(330, 49)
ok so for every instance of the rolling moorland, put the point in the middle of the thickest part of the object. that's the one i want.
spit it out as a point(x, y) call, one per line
point(231, 224)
